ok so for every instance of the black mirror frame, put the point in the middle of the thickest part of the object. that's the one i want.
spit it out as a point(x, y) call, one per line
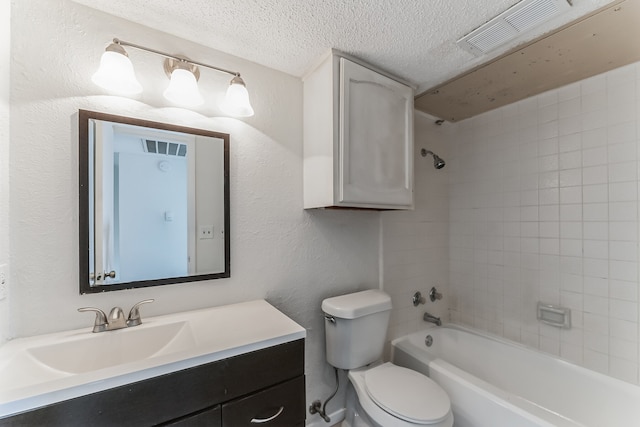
point(83, 167)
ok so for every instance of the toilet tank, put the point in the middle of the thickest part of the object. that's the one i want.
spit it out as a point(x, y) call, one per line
point(356, 328)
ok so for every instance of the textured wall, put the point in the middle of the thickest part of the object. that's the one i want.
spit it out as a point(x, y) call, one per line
point(5, 48)
point(416, 243)
point(280, 252)
point(544, 207)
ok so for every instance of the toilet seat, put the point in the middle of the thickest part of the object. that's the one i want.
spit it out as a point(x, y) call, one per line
point(407, 394)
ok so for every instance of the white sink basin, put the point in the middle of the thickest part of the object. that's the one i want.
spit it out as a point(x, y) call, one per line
point(38, 371)
point(90, 352)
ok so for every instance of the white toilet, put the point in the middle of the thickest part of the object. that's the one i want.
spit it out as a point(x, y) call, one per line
point(379, 394)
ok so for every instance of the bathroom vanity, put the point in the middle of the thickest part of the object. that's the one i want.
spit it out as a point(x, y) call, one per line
point(236, 365)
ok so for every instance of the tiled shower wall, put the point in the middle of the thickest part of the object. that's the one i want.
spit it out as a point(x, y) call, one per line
point(416, 243)
point(544, 207)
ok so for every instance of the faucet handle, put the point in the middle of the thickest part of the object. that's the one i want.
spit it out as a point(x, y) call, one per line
point(434, 294)
point(100, 324)
point(418, 299)
point(134, 314)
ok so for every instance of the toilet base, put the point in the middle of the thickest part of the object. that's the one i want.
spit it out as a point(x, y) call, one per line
point(356, 416)
point(374, 416)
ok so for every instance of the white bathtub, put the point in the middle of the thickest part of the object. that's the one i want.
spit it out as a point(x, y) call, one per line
point(494, 382)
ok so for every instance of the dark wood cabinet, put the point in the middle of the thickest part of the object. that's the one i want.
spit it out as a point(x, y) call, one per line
point(221, 393)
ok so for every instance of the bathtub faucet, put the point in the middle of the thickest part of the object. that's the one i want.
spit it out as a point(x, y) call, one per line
point(431, 318)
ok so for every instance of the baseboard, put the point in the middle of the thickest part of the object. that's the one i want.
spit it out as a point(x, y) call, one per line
point(336, 418)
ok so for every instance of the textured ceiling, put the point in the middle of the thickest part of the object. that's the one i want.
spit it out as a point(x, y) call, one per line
point(414, 39)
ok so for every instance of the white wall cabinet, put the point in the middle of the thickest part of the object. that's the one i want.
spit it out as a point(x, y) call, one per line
point(358, 138)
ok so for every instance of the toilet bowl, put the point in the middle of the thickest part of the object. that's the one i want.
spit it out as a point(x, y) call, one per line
point(379, 394)
point(391, 396)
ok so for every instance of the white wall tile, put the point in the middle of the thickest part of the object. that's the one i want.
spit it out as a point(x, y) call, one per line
point(623, 349)
point(623, 191)
point(593, 120)
point(621, 93)
point(596, 268)
point(623, 251)
point(623, 290)
point(594, 138)
point(594, 175)
point(594, 156)
point(571, 142)
point(554, 213)
point(596, 211)
point(571, 229)
point(596, 230)
point(623, 329)
point(626, 171)
point(596, 286)
point(570, 195)
point(596, 249)
point(594, 101)
point(570, 125)
point(570, 178)
point(572, 212)
point(596, 305)
point(623, 132)
point(569, 108)
point(623, 310)
point(550, 212)
point(621, 113)
point(623, 211)
point(570, 160)
point(621, 152)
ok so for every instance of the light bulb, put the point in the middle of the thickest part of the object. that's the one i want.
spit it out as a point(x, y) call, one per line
point(183, 89)
point(116, 74)
point(236, 102)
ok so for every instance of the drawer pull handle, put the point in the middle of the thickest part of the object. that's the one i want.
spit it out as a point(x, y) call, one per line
point(266, 420)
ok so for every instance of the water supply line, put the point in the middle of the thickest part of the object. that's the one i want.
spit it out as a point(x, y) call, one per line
point(319, 408)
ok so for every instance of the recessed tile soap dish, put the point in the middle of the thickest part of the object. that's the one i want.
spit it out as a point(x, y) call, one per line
point(554, 315)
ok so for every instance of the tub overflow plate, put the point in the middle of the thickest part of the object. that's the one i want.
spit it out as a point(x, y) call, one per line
point(428, 340)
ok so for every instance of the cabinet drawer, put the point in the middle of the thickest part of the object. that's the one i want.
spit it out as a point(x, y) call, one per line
point(280, 405)
point(207, 418)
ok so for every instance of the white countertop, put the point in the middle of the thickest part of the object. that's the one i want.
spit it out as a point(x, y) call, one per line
point(213, 334)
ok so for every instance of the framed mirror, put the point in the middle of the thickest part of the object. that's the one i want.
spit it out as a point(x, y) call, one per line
point(154, 203)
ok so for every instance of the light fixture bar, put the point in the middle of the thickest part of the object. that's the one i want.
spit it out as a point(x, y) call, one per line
point(174, 57)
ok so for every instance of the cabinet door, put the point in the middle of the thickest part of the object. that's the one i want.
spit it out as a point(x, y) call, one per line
point(375, 165)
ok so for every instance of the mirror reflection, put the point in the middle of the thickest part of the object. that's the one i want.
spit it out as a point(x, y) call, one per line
point(154, 203)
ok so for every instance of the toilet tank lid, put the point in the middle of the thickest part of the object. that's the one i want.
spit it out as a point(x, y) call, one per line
point(352, 306)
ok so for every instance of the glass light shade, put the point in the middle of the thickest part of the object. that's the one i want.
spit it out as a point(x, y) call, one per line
point(116, 74)
point(236, 102)
point(183, 89)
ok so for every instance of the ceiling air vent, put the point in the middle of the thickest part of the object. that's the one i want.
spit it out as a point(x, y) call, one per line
point(163, 147)
point(505, 27)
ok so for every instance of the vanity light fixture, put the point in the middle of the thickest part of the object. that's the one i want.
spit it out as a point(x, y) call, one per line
point(183, 85)
point(116, 74)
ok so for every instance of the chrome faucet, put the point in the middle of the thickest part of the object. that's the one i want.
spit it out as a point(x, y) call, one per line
point(431, 318)
point(116, 318)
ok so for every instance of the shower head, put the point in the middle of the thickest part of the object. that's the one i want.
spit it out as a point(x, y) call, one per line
point(438, 163)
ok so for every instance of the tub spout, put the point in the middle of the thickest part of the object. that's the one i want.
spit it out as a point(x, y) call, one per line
point(433, 319)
